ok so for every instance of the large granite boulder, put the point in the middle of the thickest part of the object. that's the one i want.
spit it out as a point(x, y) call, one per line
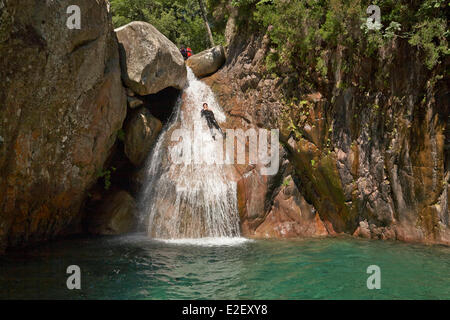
point(62, 104)
point(141, 131)
point(207, 62)
point(116, 215)
point(150, 62)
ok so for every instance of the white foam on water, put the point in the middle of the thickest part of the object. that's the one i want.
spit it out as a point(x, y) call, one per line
point(207, 242)
point(201, 242)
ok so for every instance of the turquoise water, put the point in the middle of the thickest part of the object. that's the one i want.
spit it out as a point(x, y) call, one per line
point(135, 267)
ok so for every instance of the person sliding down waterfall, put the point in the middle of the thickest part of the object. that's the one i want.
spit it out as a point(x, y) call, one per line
point(211, 120)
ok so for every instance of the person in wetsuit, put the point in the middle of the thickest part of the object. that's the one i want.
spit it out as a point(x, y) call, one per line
point(211, 120)
point(184, 52)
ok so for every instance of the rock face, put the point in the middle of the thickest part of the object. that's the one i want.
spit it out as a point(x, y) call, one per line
point(150, 62)
point(115, 216)
point(141, 131)
point(62, 103)
point(291, 216)
point(134, 102)
point(370, 163)
point(273, 207)
point(207, 62)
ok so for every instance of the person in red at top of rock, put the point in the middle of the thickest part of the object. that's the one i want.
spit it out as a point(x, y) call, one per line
point(189, 52)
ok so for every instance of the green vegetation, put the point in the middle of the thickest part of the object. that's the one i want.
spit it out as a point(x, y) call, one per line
point(431, 36)
point(106, 175)
point(121, 135)
point(286, 182)
point(179, 20)
point(301, 31)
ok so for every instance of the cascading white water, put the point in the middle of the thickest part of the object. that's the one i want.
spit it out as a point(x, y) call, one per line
point(189, 199)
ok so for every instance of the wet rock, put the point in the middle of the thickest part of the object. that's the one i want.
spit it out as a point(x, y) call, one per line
point(134, 102)
point(62, 106)
point(141, 131)
point(291, 216)
point(116, 215)
point(363, 230)
point(138, 179)
point(150, 62)
point(130, 92)
point(251, 194)
point(207, 62)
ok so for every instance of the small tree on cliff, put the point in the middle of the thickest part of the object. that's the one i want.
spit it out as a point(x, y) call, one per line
point(202, 9)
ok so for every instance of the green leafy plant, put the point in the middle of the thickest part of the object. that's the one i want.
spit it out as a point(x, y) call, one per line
point(431, 36)
point(106, 175)
point(286, 182)
point(121, 135)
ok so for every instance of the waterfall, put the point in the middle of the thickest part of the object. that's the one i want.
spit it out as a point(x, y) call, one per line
point(190, 199)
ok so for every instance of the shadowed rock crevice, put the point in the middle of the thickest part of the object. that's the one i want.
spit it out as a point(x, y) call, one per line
point(161, 104)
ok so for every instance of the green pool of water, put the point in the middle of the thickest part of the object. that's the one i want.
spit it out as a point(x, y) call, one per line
point(135, 267)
